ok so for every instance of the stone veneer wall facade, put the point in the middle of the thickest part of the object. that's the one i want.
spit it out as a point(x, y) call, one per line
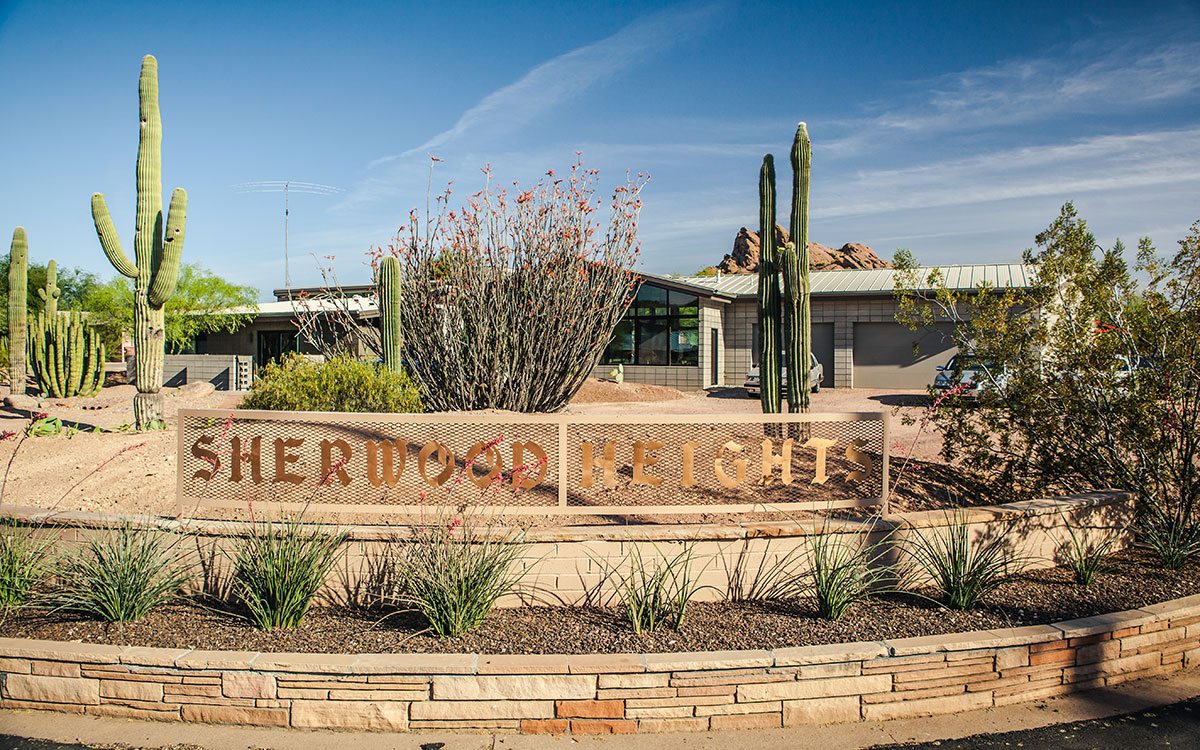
point(600, 694)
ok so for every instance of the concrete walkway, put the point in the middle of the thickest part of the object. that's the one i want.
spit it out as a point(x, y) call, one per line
point(1094, 704)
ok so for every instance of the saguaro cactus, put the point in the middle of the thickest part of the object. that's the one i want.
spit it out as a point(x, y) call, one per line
point(389, 312)
point(51, 292)
point(769, 367)
point(18, 280)
point(67, 355)
point(157, 268)
point(794, 263)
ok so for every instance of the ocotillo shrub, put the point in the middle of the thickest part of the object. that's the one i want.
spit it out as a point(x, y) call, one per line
point(510, 301)
point(296, 383)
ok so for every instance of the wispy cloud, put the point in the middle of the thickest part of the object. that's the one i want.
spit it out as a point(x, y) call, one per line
point(555, 81)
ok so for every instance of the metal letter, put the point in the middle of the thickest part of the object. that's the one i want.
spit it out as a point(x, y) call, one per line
point(283, 458)
point(209, 457)
point(860, 458)
point(739, 465)
point(252, 456)
point(329, 467)
point(494, 460)
point(608, 463)
point(689, 463)
point(641, 460)
point(821, 444)
point(399, 448)
point(518, 450)
point(770, 461)
point(444, 456)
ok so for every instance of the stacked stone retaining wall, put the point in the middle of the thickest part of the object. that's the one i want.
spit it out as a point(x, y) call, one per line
point(605, 693)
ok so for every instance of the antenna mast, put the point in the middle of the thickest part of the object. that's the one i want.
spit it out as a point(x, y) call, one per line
point(285, 187)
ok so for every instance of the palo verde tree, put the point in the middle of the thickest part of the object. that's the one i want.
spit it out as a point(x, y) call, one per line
point(509, 302)
point(157, 253)
point(1100, 386)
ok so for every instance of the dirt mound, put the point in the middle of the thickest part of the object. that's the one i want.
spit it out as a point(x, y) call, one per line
point(604, 391)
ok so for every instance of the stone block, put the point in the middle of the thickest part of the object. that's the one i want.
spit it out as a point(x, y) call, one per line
point(71, 690)
point(828, 688)
point(247, 715)
point(838, 652)
point(497, 709)
point(822, 711)
point(746, 721)
point(129, 712)
point(15, 666)
point(522, 664)
point(590, 709)
point(513, 687)
point(545, 726)
point(926, 706)
point(131, 691)
point(248, 685)
point(651, 680)
point(658, 726)
point(55, 669)
point(372, 715)
point(708, 660)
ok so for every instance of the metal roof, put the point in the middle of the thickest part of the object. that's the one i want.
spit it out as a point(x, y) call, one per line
point(871, 280)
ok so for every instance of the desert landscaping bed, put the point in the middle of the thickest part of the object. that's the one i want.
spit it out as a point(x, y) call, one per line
point(1034, 597)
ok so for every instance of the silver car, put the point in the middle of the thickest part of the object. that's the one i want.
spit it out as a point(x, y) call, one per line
point(816, 373)
point(975, 374)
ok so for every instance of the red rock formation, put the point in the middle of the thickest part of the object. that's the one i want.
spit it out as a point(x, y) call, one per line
point(746, 250)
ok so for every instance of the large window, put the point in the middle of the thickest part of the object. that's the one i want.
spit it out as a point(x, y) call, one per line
point(661, 327)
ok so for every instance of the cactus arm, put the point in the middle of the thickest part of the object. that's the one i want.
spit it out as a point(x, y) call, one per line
point(166, 272)
point(51, 292)
point(109, 239)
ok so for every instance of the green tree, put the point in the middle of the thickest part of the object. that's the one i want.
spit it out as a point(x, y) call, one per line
point(203, 303)
point(75, 284)
point(1100, 386)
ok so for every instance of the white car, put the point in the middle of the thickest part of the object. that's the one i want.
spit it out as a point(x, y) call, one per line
point(977, 375)
point(816, 373)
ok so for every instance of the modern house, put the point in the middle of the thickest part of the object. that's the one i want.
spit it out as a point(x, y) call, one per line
point(694, 332)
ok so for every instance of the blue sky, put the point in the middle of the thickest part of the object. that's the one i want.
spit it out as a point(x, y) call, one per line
point(955, 132)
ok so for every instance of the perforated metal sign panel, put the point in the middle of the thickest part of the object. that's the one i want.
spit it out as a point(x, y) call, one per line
point(530, 464)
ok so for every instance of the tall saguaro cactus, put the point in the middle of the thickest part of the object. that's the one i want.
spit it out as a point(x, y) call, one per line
point(18, 280)
point(794, 264)
point(389, 312)
point(769, 366)
point(51, 292)
point(157, 268)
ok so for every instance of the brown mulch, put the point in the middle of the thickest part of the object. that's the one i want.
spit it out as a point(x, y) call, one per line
point(1033, 597)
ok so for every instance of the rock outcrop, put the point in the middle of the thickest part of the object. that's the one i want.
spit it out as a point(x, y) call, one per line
point(746, 250)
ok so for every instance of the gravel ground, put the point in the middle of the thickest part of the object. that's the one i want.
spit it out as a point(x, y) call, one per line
point(1034, 597)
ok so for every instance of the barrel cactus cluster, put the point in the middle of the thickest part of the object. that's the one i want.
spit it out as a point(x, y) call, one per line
point(790, 262)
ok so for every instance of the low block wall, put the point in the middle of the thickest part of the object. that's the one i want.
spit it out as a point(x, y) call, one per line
point(572, 565)
point(600, 694)
point(222, 370)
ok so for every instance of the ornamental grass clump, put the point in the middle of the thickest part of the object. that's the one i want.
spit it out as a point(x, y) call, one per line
point(1171, 536)
point(278, 568)
point(122, 572)
point(458, 565)
point(343, 384)
point(1084, 558)
point(25, 561)
point(962, 573)
point(655, 594)
point(844, 568)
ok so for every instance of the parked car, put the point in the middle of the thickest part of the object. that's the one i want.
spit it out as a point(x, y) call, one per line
point(979, 375)
point(816, 373)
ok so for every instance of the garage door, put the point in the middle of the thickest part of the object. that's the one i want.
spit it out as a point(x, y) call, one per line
point(822, 346)
point(884, 357)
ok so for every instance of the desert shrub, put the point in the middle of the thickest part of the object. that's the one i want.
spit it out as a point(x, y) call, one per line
point(962, 573)
point(844, 570)
point(777, 576)
point(655, 593)
point(510, 301)
point(122, 572)
point(296, 383)
point(278, 568)
point(25, 561)
point(1102, 389)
